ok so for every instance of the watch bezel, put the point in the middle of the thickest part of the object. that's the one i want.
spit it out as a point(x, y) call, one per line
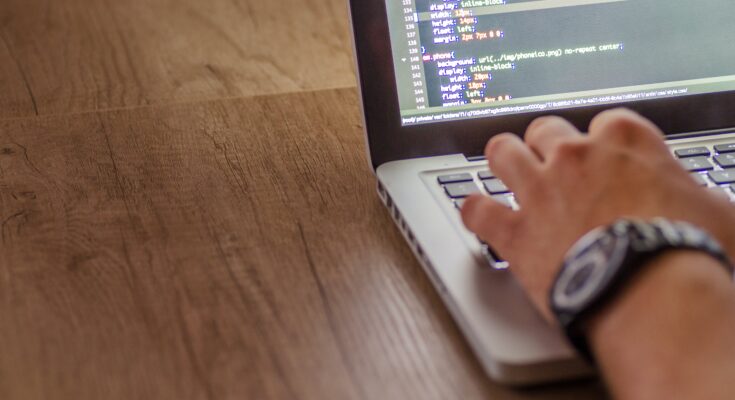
point(606, 266)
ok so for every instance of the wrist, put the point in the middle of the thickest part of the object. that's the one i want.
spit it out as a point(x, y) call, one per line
point(668, 316)
point(602, 264)
point(670, 277)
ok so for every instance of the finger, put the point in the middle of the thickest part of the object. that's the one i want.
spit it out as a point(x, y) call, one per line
point(513, 162)
point(625, 127)
point(545, 133)
point(490, 220)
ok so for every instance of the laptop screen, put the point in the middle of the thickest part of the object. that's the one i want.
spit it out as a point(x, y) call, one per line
point(462, 59)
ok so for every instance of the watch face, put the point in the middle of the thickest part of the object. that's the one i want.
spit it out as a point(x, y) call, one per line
point(583, 276)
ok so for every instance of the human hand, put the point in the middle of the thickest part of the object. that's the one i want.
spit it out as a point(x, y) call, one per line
point(568, 184)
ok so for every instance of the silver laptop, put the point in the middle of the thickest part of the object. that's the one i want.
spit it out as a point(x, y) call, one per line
point(438, 78)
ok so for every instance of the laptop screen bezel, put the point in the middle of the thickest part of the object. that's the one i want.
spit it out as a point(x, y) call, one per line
point(389, 140)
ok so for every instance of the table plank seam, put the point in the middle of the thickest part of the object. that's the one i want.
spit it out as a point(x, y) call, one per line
point(172, 104)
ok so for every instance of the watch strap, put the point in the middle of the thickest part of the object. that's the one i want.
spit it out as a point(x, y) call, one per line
point(647, 240)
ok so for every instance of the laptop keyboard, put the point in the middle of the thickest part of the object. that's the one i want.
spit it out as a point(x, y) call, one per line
point(712, 167)
point(459, 186)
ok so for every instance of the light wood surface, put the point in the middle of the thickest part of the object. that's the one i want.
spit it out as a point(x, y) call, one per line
point(86, 55)
point(185, 213)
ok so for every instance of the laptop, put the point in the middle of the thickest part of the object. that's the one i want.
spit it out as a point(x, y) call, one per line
point(439, 78)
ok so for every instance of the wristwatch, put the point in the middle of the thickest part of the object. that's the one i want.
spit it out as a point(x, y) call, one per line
point(604, 260)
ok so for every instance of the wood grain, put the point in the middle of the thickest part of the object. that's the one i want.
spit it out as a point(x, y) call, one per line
point(228, 249)
point(15, 93)
point(58, 57)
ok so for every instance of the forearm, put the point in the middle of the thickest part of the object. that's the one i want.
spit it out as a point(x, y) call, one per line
point(671, 334)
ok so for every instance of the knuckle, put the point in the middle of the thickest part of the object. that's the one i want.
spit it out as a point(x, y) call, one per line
point(622, 124)
point(536, 123)
point(571, 150)
point(544, 124)
point(497, 143)
point(612, 114)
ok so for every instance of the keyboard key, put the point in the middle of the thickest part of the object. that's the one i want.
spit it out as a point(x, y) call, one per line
point(722, 177)
point(725, 160)
point(699, 178)
point(725, 148)
point(484, 175)
point(461, 189)
point(459, 203)
point(504, 200)
point(696, 164)
point(720, 191)
point(492, 257)
point(692, 152)
point(495, 186)
point(454, 178)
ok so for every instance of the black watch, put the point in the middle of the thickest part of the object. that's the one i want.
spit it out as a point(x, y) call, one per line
point(600, 263)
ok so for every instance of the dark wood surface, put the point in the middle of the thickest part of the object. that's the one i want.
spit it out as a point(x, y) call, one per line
point(215, 250)
point(171, 233)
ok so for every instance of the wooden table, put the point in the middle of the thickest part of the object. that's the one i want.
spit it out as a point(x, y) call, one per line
point(187, 212)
